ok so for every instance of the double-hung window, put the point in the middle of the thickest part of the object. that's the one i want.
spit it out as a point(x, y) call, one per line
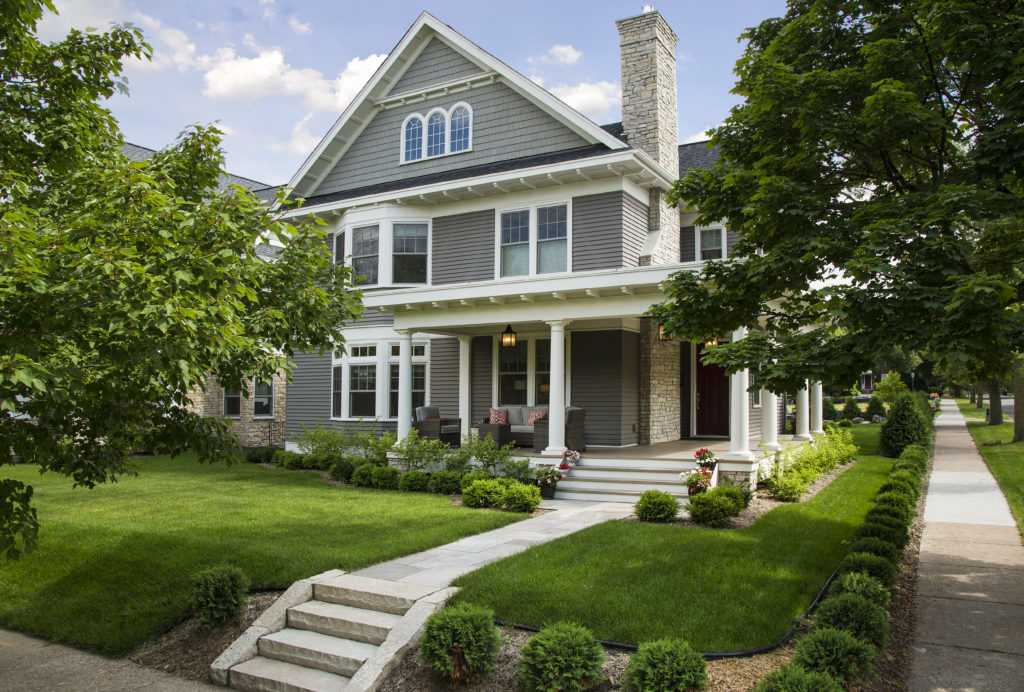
point(712, 243)
point(365, 243)
point(409, 252)
point(512, 374)
point(362, 381)
point(232, 402)
point(263, 399)
point(515, 243)
point(552, 239)
point(534, 241)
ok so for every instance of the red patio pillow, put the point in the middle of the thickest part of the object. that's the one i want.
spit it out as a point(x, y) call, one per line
point(499, 416)
point(536, 415)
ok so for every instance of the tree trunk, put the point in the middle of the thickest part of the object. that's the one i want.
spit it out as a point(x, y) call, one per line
point(973, 394)
point(981, 395)
point(1018, 399)
point(995, 403)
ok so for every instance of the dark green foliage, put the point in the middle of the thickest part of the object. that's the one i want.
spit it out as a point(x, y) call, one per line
point(341, 470)
point(836, 653)
point(445, 482)
point(741, 495)
point(363, 475)
point(900, 502)
point(857, 615)
point(828, 410)
point(862, 584)
point(218, 593)
point(877, 567)
point(876, 407)
point(845, 423)
point(563, 657)
point(260, 455)
point(320, 461)
point(385, 477)
point(887, 516)
point(666, 665)
point(895, 534)
point(460, 643)
point(478, 475)
point(916, 456)
point(519, 469)
point(910, 477)
point(901, 486)
point(905, 426)
point(790, 678)
point(656, 505)
point(286, 459)
point(413, 481)
point(483, 493)
point(521, 498)
point(879, 546)
point(715, 508)
point(852, 410)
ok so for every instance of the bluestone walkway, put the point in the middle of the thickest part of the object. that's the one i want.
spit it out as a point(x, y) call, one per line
point(970, 601)
point(439, 566)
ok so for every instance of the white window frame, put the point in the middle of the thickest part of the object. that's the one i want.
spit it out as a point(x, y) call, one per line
point(531, 367)
point(698, 230)
point(422, 359)
point(755, 396)
point(424, 119)
point(382, 360)
point(385, 247)
point(532, 208)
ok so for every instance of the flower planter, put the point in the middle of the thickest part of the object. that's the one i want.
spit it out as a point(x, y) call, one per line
point(547, 490)
point(690, 492)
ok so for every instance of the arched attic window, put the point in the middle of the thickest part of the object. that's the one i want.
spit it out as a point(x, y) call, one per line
point(460, 129)
point(413, 139)
point(436, 127)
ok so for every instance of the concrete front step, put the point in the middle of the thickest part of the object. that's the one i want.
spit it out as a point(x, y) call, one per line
point(599, 495)
point(267, 675)
point(625, 484)
point(626, 473)
point(316, 650)
point(677, 465)
point(372, 594)
point(348, 622)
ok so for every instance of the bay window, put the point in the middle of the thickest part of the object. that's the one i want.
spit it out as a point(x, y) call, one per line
point(409, 252)
point(365, 243)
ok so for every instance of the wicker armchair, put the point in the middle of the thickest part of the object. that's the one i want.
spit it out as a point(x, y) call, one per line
point(574, 419)
point(431, 426)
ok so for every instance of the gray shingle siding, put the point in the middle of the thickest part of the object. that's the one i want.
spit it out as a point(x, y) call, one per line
point(437, 63)
point(463, 248)
point(481, 366)
point(635, 222)
point(604, 382)
point(444, 376)
point(687, 244)
point(505, 126)
point(373, 318)
point(608, 231)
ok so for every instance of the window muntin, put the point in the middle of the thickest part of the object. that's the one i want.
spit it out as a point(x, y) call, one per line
point(263, 399)
point(459, 122)
point(418, 350)
point(711, 246)
point(419, 387)
point(436, 126)
point(365, 244)
point(409, 253)
point(362, 391)
point(552, 239)
point(413, 140)
point(512, 374)
point(515, 243)
point(364, 351)
point(232, 402)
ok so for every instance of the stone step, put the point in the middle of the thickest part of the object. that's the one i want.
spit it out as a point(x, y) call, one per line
point(622, 483)
point(605, 495)
point(627, 473)
point(372, 594)
point(267, 675)
point(316, 650)
point(348, 622)
point(677, 465)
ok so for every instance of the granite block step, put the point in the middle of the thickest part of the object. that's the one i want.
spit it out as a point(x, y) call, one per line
point(267, 675)
point(372, 594)
point(348, 622)
point(316, 650)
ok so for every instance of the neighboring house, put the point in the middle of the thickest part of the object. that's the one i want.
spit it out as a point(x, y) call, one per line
point(476, 203)
point(259, 419)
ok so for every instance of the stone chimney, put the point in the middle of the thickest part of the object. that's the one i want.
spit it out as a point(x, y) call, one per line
point(649, 116)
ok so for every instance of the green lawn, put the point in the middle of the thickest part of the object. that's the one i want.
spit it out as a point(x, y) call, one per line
point(721, 590)
point(113, 564)
point(1005, 461)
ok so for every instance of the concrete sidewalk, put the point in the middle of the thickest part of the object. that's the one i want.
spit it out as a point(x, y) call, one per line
point(970, 601)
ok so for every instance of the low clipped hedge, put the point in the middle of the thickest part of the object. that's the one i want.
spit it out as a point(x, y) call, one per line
point(445, 482)
point(385, 477)
point(413, 481)
point(483, 493)
point(362, 476)
point(877, 567)
point(472, 476)
point(857, 615)
point(862, 584)
point(879, 546)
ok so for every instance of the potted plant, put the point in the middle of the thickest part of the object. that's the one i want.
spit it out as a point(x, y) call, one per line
point(569, 457)
point(705, 459)
point(547, 479)
point(698, 481)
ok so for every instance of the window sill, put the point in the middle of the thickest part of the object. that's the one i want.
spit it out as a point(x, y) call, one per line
point(269, 417)
point(403, 162)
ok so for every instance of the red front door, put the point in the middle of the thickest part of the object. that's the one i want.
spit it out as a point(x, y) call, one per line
point(712, 399)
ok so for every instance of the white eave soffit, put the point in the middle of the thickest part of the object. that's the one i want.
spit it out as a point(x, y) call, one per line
point(373, 96)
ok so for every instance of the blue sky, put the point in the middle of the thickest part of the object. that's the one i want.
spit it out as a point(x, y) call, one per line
point(276, 74)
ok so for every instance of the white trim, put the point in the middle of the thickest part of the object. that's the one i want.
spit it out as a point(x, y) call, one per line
point(724, 238)
point(403, 137)
point(385, 218)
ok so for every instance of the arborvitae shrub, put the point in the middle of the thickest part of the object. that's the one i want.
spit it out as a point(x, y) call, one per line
point(904, 426)
point(445, 482)
point(363, 475)
point(898, 536)
point(521, 498)
point(857, 615)
point(878, 567)
point(852, 410)
point(876, 407)
point(828, 410)
point(656, 505)
point(341, 470)
point(413, 481)
point(879, 546)
point(862, 584)
point(218, 593)
point(385, 477)
point(563, 657)
point(834, 652)
point(790, 678)
point(714, 508)
point(460, 643)
point(666, 665)
point(472, 476)
point(488, 493)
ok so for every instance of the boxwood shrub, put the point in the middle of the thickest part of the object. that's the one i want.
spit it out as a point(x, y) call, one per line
point(666, 665)
point(857, 615)
point(896, 535)
point(521, 498)
point(445, 482)
point(835, 653)
point(460, 643)
point(483, 493)
point(715, 508)
point(877, 567)
point(656, 505)
point(385, 477)
point(911, 478)
point(885, 514)
point(478, 475)
point(900, 486)
point(862, 584)
point(341, 470)
point(363, 475)
point(879, 546)
point(413, 481)
point(260, 455)
point(563, 657)
point(790, 678)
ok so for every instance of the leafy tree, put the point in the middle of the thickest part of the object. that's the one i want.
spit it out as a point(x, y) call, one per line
point(891, 385)
point(874, 175)
point(123, 284)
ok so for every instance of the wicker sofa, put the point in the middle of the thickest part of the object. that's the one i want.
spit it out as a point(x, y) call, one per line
point(536, 435)
point(431, 426)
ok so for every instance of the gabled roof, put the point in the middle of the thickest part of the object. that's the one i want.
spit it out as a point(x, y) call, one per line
point(258, 189)
point(364, 106)
point(697, 155)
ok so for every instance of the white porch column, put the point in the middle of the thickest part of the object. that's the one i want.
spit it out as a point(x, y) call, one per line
point(803, 428)
point(739, 411)
point(404, 382)
point(816, 428)
point(769, 420)
point(465, 412)
point(556, 401)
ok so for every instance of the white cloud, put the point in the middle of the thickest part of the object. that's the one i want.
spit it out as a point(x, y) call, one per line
point(226, 130)
point(267, 9)
point(701, 136)
point(559, 54)
point(297, 26)
point(599, 101)
point(302, 140)
point(539, 81)
point(80, 14)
